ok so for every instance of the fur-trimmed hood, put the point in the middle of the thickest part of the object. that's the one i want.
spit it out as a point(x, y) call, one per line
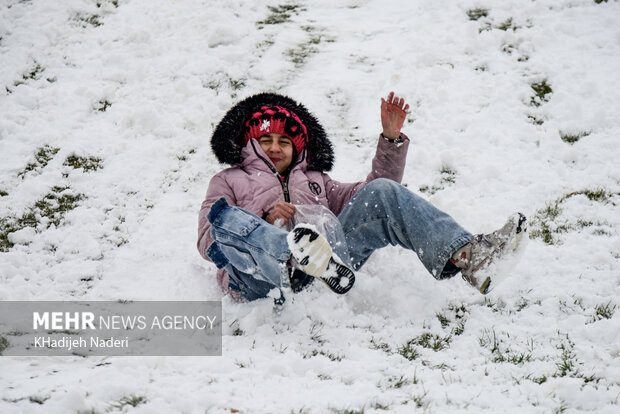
point(227, 139)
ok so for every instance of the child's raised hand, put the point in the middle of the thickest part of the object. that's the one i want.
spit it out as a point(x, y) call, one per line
point(393, 114)
point(281, 211)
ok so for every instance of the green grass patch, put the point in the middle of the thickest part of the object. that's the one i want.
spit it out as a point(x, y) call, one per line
point(132, 401)
point(459, 315)
point(507, 24)
point(454, 315)
point(346, 411)
point(265, 44)
point(316, 333)
point(494, 305)
point(604, 311)
point(574, 308)
point(477, 13)
point(86, 163)
point(535, 120)
point(4, 344)
point(447, 176)
point(548, 224)
point(42, 157)
point(409, 351)
point(280, 14)
point(56, 204)
point(236, 84)
point(567, 362)
point(458, 329)
point(34, 73)
point(443, 319)
point(522, 304)
point(380, 346)
point(375, 405)
point(300, 54)
point(397, 382)
point(112, 2)
point(501, 353)
point(600, 195)
point(432, 341)
point(568, 365)
point(329, 355)
point(50, 210)
point(7, 226)
point(486, 27)
point(420, 400)
point(62, 332)
point(542, 91)
point(103, 105)
point(571, 138)
point(31, 74)
point(38, 399)
point(222, 80)
point(508, 49)
point(89, 20)
point(460, 311)
point(537, 380)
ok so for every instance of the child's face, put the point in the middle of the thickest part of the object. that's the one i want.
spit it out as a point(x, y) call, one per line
point(279, 149)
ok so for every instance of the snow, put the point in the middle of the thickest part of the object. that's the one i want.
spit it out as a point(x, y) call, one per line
point(141, 87)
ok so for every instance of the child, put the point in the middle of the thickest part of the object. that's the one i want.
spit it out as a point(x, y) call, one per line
point(279, 155)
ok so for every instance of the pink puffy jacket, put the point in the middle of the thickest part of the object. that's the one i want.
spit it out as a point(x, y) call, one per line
point(253, 186)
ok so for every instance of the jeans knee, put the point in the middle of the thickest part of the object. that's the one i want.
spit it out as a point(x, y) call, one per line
point(383, 185)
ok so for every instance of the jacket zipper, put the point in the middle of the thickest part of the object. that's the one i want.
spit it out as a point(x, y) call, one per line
point(283, 183)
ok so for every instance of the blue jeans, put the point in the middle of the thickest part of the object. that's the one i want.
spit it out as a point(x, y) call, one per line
point(255, 253)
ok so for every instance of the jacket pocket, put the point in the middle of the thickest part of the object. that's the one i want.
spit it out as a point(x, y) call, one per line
point(236, 221)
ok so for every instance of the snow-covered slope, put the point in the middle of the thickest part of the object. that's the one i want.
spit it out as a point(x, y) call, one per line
point(106, 112)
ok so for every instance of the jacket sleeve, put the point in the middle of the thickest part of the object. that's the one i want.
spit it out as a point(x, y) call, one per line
point(389, 162)
point(218, 188)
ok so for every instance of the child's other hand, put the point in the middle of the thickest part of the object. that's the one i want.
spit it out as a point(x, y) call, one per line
point(281, 211)
point(393, 114)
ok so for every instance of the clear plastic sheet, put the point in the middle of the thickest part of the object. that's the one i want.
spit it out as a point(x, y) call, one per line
point(326, 223)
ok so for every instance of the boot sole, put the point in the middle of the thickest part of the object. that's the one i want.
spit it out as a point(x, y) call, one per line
point(338, 277)
point(305, 242)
